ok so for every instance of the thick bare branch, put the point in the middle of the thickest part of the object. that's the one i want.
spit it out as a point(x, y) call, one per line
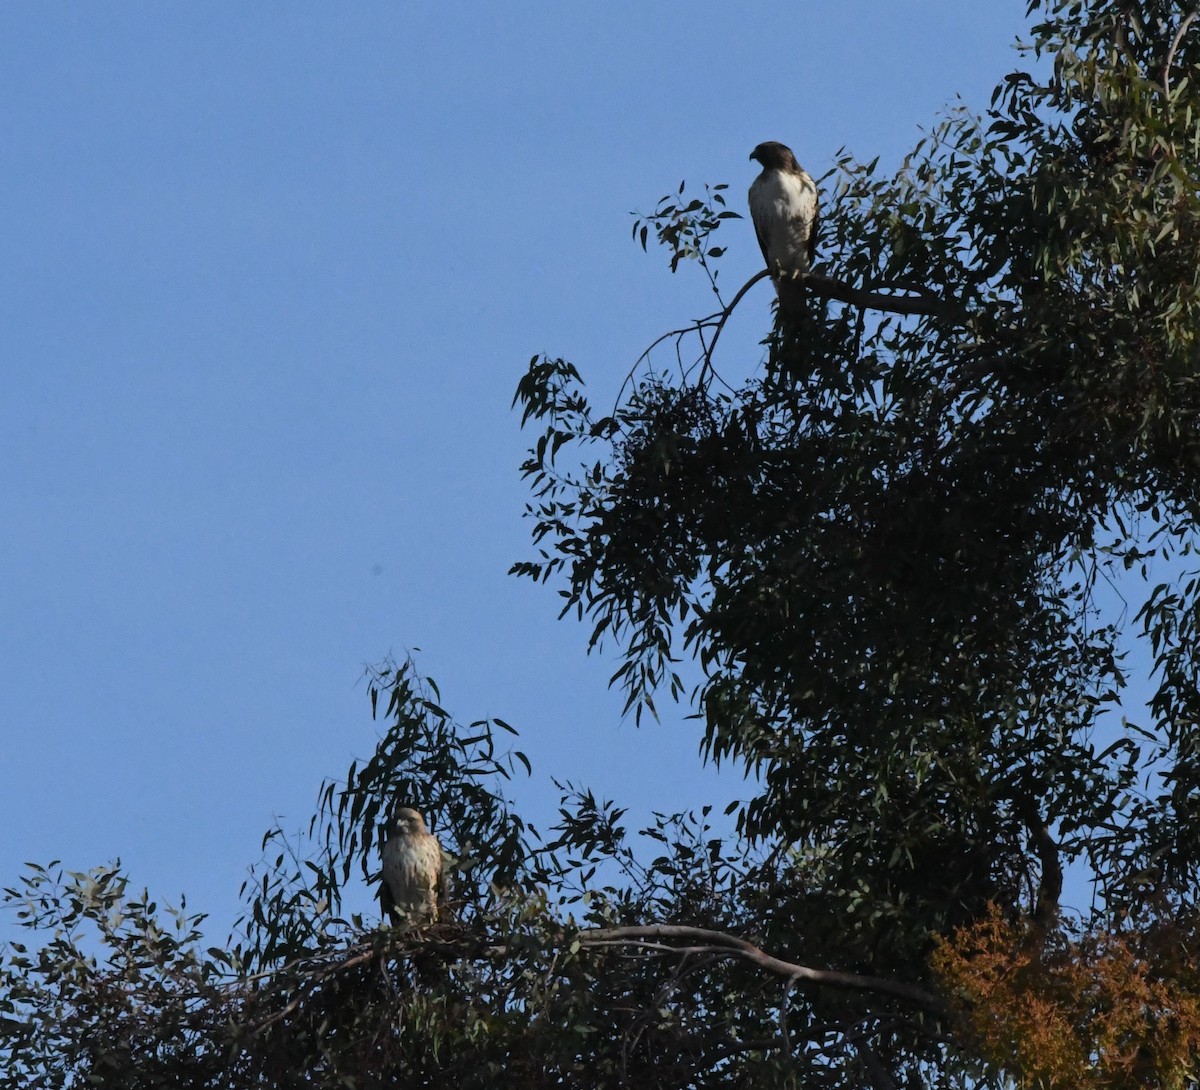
point(719, 944)
point(919, 301)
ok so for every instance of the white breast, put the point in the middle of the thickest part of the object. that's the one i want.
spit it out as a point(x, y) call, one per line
point(783, 207)
point(411, 869)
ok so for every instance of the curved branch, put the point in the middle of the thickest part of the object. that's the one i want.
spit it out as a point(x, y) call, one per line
point(1166, 73)
point(719, 944)
point(724, 317)
point(307, 986)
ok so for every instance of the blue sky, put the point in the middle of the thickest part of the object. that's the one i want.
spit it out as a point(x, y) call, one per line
point(270, 275)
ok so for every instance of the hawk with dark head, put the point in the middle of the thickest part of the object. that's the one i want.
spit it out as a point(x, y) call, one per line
point(412, 871)
point(783, 207)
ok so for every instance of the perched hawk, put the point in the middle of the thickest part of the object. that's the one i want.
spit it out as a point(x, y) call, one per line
point(412, 871)
point(783, 208)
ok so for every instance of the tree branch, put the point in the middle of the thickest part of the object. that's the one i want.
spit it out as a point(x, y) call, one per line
point(1051, 881)
point(724, 315)
point(719, 944)
point(921, 301)
point(874, 1070)
point(1166, 73)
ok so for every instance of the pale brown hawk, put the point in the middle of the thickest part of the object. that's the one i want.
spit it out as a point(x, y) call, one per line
point(783, 207)
point(411, 881)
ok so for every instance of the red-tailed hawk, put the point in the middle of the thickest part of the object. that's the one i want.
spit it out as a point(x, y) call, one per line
point(783, 208)
point(412, 871)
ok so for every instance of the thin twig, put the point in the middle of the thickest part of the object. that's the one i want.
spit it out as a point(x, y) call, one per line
point(304, 959)
point(733, 1048)
point(677, 334)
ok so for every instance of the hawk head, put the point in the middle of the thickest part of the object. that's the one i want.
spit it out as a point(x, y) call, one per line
point(775, 156)
point(407, 822)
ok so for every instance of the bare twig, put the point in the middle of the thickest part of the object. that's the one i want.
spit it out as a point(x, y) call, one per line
point(757, 1044)
point(339, 953)
point(677, 335)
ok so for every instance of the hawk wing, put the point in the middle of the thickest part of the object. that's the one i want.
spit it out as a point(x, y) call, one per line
point(812, 225)
point(758, 216)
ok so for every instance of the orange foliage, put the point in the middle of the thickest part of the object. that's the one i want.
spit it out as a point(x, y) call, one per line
point(1108, 1010)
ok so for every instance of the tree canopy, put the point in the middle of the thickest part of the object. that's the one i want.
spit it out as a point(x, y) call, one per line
point(930, 559)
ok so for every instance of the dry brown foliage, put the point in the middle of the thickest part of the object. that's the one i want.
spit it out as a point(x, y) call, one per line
point(1100, 1011)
